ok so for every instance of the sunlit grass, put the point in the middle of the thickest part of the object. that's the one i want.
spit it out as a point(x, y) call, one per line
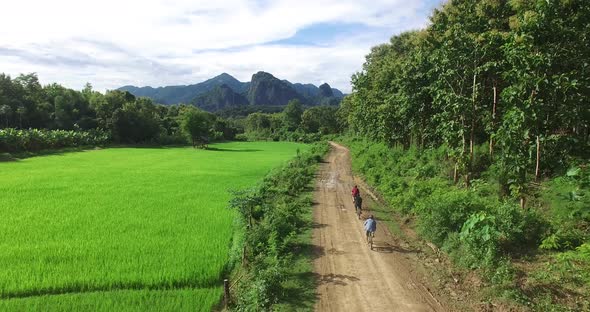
point(123, 218)
point(200, 300)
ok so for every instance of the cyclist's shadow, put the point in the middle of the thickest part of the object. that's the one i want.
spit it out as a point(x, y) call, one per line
point(385, 247)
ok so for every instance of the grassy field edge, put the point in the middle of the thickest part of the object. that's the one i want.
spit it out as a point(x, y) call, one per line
point(273, 264)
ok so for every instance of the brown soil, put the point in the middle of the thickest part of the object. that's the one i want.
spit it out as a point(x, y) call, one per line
point(351, 277)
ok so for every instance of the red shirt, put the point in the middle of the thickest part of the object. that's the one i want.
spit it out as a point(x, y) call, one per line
point(355, 191)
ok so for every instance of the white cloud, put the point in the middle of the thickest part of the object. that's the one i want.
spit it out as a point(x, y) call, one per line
point(161, 42)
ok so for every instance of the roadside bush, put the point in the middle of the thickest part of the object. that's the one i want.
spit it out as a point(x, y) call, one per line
point(519, 229)
point(563, 239)
point(570, 270)
point(488, 236)
point(412, 194)
point(445, 212)
point(480, 236)
point(272, 217)
point(578, 262)
point(569, 199)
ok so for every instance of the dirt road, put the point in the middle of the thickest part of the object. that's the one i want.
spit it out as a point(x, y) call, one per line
point(351, 276)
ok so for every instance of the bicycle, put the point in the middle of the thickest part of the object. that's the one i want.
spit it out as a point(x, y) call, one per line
point(358, 202)
point(370, 236)
point(370, 227)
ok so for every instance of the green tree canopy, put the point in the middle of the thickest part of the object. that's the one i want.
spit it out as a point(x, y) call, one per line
point(196, 126)
point(292, 114)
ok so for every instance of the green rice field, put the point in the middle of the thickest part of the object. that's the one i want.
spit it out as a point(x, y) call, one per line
point(130, 229)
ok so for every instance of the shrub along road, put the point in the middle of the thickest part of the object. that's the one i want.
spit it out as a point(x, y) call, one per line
point(350, 276)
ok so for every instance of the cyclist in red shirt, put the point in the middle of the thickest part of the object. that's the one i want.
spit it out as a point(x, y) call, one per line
point(355, 193)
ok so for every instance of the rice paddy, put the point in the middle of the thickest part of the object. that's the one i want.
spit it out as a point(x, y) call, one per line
point(125, 229)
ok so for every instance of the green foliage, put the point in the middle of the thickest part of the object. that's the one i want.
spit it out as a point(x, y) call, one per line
point(322, 119)
point(244, 111)
point(569, 201)
point(567, 272)
point(563, 239)
point(257, 122)
point(490, 235)
point(506, 73)
point(25, 104)
point(197, 126)
point(135, 122)
point(292, 114)
point(446, 212)
point(14, 140)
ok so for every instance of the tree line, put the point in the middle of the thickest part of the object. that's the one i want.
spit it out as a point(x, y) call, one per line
point(294, 123)
point(511, 75)
point(27, 107)
point(26, 104)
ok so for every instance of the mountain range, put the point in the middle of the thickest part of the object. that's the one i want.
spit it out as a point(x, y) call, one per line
point(225, 91)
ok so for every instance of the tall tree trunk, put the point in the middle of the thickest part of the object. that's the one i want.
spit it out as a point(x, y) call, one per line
point(463, 147)
point(456, 173)
point(471, 145)
point(422, 135)
point(522, 202)
point(421, 140)
point(472, 131)
point(493, 119)
point(537, 167)
point(473, 116)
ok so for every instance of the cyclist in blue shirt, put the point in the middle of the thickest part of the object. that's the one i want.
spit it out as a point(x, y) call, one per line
point(370, 227)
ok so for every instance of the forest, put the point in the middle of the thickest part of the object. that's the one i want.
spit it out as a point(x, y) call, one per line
point(511, 74)
point(477, 127)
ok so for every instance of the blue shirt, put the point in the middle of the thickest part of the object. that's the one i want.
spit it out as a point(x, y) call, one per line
point(370, 225)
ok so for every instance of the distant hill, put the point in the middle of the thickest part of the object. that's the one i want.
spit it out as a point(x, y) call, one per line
point(225, 91)
point(266, 89)
point(186, 94)
point(310, 90)
point(219, 98)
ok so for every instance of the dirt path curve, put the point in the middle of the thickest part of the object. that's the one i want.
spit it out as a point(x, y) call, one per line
point(351, 276)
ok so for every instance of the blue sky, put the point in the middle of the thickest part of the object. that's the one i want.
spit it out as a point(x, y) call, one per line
point(321, 34)
point(111, 43)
